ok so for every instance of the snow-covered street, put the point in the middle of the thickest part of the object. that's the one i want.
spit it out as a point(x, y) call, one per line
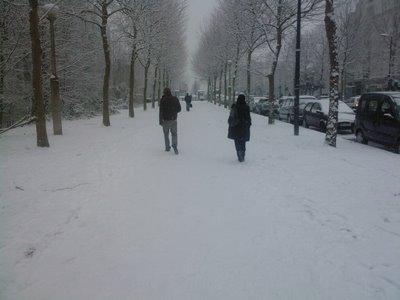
point(105, 213)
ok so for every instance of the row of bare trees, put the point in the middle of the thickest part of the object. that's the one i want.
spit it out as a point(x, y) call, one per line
point(107, 52)
point(240, 29)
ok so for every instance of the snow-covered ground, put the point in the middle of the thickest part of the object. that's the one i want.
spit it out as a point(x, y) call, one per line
point(105, 213)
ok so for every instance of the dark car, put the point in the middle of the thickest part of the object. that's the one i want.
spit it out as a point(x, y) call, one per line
point(378, 119)
point(315, 114)
point(286, 110)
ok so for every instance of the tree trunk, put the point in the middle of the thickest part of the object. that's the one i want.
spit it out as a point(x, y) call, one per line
point(235, 72)
point(271, 82)
point(220, 88)
point(107, 70)
point(159, 88)
point(146, 80)
point(37, 81)
point(55, 85)
point(132, 83)
point(208, 90)
point(163, 78)
point(271, 76)
point(3, 38)
point(322, 71)
point(215, 89)
point(330, 26)
point(132, 76)
point(248, 89)
point(225, 85)
point(153, 99)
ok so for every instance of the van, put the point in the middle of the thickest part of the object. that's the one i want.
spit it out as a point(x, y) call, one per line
point(378, 119)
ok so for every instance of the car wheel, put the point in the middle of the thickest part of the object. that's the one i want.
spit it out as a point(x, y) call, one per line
point(305, 122)
point(322, 127)
point(397, 147)
point(361, 138)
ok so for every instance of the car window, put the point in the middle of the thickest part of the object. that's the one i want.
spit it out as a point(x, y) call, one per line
point(316, 107)
point(362, 104)
point(386, 107)
point(372, 106)
point(308, 107)
point(397, 102)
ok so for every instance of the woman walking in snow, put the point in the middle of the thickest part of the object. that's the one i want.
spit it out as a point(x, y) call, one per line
point(239, 126)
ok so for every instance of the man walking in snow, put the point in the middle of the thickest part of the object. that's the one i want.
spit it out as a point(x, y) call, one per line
point(188, 100)
point(169, 109)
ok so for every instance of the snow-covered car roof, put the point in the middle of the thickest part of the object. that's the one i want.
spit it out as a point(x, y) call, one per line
point(343, 107)
point(257, 99)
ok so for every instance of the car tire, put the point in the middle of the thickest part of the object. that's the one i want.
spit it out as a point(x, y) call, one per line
point(322, 127)
point(397, 147)
point(361, 138)
point(305, 123)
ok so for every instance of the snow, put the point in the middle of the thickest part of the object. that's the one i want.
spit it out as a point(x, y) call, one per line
point(105, 213)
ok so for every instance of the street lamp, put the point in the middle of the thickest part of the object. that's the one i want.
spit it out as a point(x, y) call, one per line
point(390, 58)
point(229, 81)
point(297, 71)
point(51, 11)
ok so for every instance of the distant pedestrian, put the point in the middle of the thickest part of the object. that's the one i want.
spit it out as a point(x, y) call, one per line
point(169, 109)
point(188, 100)
point(239, 126)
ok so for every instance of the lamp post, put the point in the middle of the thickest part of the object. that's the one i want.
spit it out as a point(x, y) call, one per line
point(297, 71)
point(229, 82)
point(52, 13)
point(390, 58)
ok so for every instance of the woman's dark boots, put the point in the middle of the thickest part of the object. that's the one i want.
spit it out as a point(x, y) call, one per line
point(241, 155)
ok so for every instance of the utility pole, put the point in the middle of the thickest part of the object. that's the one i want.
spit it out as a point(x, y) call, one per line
point(297, 71)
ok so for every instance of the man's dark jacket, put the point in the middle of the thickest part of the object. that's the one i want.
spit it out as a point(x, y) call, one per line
point(169, 108)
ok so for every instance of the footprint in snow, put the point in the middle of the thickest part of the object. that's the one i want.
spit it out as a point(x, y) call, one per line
point(30, 252)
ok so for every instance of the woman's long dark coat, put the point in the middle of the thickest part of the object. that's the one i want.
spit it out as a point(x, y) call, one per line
point(239, 122)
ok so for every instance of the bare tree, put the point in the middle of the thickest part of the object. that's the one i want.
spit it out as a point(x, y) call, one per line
point(99, 13)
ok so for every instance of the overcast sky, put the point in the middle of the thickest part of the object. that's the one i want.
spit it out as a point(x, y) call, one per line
point(197, 12)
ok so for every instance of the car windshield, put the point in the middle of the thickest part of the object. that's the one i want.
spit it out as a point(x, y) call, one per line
point(397, 102)
point(343, 107)
point(304, 101)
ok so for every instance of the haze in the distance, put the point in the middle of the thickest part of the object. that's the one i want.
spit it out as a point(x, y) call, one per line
point(197, 12)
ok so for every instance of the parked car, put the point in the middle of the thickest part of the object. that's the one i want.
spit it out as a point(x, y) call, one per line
point(378, 119)
point(283, 99)
point(286, 110)
point(261, 106)
point(315, 114)
point(255, 104)
point(353, 102)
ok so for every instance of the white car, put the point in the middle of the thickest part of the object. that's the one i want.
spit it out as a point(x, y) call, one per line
point(316, 115)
